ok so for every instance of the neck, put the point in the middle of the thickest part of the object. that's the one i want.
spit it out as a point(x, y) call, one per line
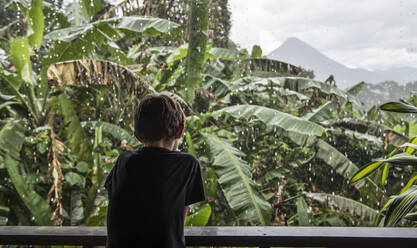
point(167, 144)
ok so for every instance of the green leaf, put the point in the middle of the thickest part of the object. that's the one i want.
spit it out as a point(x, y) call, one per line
point(332, 157)
point(35, 23)
point(224, 53)
point(411, 216)
point(354, 90)
point(408, 145)
point(19, 53)
point(412, 181)
point(322, 113)
point(12, 79)
point(411, 150)
point(274, 118)
point(148, 26)
point(384, 174)
point(113, 130)
point(345, 204)
point(400, 206)
point(271, 175)
point(365, 171)
point(236, 182)
point(75, 179)
point(83, 167)
point(90, 7)
point(197, 28)
point(256, 52)
point(36, 205)
point(303, 212)
point(217, 86)
point(78, 41)
point(200, 218)
point(93, 201)
point(12, 136)
point(190, 145)
point(368, 127)
point(75, 133)
point(401, 159)
point(399, 107)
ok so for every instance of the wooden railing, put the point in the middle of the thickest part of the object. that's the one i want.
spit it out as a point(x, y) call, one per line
point(225, 236)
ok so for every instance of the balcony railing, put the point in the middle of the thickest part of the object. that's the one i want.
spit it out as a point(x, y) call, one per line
point(225, 236)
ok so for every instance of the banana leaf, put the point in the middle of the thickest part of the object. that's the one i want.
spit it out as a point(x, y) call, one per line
point(355, 89)
point(371, 167)
point(369, 127)
point(74, 132)
point(113, 130)
point(400, 107)
point(412, 181)
point(35, 23)
point(199, 218)
point(77, 42)
point(411, 216)
point(401, 159)
point(345, 204)
point(356, 136)
point(148, 26)
point(411, 145)
point(236, 182)
point(19, 54)
point(89, 8)
point(332, 157)
point(303, 212)
point(384, 174)
point(365, 171)
point(224, 53)
point(97, 72)
point(274, 118)
point(12, 136)
point(322, 113)
point(400, 206)
point(37, 206)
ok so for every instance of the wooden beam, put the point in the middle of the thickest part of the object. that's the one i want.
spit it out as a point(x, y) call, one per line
point(225, 236)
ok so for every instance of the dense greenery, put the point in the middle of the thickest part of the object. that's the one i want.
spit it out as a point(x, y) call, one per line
point(275, 146)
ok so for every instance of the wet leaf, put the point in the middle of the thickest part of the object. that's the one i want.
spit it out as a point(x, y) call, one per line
point(399, 107)
point(199, 218)
point(75, 179)
point(35, 23)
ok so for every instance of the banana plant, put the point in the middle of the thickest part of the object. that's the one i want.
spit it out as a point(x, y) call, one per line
point(400, 205)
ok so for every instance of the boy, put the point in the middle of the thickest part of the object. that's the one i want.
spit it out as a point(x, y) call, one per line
point(150, 189)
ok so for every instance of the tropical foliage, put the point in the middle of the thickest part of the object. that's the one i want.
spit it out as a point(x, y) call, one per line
point(276, 147)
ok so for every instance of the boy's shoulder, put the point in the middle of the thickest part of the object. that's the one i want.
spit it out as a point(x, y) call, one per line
point(160, 152)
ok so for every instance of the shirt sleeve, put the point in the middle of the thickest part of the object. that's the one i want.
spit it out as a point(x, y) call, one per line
point(195, 188)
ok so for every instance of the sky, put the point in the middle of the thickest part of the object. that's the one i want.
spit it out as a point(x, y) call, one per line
point(369, 34)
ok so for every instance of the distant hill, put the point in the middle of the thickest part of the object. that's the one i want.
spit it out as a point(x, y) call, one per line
point(376, 94)
point(297, 52)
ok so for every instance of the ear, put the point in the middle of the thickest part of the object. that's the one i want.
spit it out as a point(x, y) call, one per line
point(180, 130)
point(137, 137)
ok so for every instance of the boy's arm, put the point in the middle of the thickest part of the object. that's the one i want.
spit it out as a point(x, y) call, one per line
point(186, 208)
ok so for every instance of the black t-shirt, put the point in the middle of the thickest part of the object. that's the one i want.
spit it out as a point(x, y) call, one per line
point(148, 190)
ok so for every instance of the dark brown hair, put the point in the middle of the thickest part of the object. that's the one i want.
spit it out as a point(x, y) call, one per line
point(158, 117)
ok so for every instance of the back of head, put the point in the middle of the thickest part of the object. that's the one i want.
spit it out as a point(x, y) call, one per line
point(158, 117)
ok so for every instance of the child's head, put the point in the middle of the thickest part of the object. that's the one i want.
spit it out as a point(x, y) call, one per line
point(158, 118)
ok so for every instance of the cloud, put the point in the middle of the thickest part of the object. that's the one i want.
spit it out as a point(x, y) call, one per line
point(372, 34)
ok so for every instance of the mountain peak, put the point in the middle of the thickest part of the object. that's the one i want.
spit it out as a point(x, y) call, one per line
point(300, 53)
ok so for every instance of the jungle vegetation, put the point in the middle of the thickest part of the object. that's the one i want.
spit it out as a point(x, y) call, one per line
point(276, 147)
